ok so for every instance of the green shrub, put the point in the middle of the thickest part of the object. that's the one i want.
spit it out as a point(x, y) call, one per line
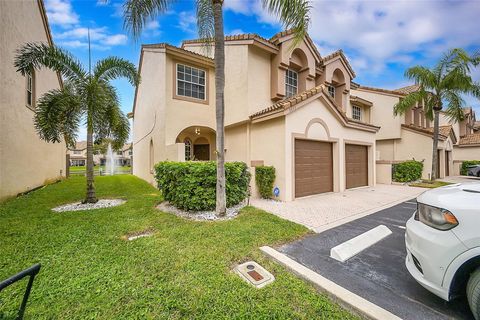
point(192, 185)
point(466, 164)
point(265, 177)
point(407, 171)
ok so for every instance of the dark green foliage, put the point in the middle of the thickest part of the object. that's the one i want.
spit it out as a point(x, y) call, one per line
point(407, 171)
point(191, 185)
point(466, 164)
point(265, 177)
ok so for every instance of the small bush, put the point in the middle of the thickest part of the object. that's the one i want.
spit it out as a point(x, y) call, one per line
point(192, 185)
point(407, 171)
point(265, 177)
point(466, 164)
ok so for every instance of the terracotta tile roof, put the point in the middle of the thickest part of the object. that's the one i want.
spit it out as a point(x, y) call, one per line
point(467, 110)
point(408, 89)
point(394, 92)
point(289, 102)
point(361, 101)
point(177, 49)
point(443, 131)
point(79, 145)
point(338, 53)
point(302, 96)
point(470, 139)
point(476, 125)
point(237, 37)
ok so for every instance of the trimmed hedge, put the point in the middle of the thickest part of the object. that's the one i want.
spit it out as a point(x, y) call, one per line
point(192, 185)
point(265, 177)
point(407, 171)
point(466, 164)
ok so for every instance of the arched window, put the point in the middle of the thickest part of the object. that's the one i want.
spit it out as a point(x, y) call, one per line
point(188, 149)
point(151, 156)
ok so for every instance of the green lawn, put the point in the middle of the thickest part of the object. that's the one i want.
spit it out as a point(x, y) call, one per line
point(183, 271)
point(82, 168)
point(430, 184)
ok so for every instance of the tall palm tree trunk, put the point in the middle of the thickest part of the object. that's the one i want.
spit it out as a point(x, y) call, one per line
point(91, 198)
point(436, 125)
point(221, 205)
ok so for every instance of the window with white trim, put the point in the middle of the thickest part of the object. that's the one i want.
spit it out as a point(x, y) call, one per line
point(291, 83)
point(188, 149)
point(331, 90)
point(30, 86)
point(190, 82)
point(356, 113)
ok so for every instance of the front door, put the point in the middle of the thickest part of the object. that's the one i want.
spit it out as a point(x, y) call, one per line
point(201, 152)
point(447, 163)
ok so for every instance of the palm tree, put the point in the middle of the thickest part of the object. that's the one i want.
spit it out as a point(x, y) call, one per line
point(86, 97)
point(292, 13)
point(441, 89)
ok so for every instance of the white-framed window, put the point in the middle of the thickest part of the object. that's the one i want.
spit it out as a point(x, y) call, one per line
point(119, 153)
point(190, 82)
point(331, 90)
point(30, 87)
point(356, 113)
point(291, 83)
point(130, 152)
point(188, 149)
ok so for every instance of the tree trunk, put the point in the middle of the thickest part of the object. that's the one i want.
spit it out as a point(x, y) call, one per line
point(221, 206)
point(91, 198)
point(435, 144)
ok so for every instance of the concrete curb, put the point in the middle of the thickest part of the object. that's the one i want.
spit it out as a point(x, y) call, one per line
point(347, 299)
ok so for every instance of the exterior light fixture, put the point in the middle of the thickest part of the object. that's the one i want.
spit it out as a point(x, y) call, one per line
point(197, 131)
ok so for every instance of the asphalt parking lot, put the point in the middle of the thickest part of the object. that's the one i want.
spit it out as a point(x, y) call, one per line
point(378, 273)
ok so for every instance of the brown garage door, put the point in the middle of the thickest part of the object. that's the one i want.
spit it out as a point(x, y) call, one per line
point(313, 167)
point(356, 164)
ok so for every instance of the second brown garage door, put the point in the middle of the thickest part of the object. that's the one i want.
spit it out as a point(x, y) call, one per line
point(356, 165)
point(313, 167)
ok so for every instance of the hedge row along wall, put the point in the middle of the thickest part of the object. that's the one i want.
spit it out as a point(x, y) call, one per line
point(191, 185)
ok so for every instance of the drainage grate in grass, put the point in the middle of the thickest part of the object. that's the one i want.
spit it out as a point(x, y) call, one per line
point(254, 274)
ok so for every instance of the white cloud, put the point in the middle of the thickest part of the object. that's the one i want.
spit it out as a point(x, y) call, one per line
point(187, 21)
point(60, 13)
point(102, 3)
point(114, 40)
point(235, 32)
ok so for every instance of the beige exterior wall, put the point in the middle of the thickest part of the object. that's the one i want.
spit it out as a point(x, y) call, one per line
point(19, 170)
point(461, 154)
point(381, 113)
point(316, 121)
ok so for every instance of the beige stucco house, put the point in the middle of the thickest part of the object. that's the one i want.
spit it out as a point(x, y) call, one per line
point(410, 136)
point(26, 161)
point(286, 107)
point(78, 155)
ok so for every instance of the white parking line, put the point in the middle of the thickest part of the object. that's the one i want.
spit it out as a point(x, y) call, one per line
point(354, 246)
point(402, 227)
point(410, 202)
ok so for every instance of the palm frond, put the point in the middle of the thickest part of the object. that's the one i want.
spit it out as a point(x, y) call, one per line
point(58, 114)
point(39, 55)
point(455, 103)
point(422, 76)
point(136, 13)
point(293, 14)
point(409, 101)
point(113, 67)
point(205, 24)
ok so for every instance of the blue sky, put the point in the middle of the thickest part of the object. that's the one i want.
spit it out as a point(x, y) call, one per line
point(380, 38)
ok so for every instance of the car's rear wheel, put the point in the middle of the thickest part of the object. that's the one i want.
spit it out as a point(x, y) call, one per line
point(473, 293)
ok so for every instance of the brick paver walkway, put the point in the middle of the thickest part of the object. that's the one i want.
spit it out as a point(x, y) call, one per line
point(325, 211)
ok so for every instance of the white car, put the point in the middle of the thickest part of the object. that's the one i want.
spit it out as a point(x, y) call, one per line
point(443, 243)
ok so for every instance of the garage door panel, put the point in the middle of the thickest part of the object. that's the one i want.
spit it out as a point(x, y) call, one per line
point(313, 167)
point(356, 165)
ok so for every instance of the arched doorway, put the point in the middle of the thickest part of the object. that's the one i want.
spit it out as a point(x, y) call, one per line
point(199, 143)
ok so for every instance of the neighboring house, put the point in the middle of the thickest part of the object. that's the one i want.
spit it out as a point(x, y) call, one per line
point(286, 107)
point(26, 161)
point(78, 155)
point(410, 136)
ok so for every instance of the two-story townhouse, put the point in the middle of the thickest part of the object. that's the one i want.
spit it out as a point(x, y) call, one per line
point(78, 154)
point(26, 161)
point(284, 106)
point(410, 136)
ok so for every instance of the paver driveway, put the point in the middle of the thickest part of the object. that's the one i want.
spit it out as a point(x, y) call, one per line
point(325, 211)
